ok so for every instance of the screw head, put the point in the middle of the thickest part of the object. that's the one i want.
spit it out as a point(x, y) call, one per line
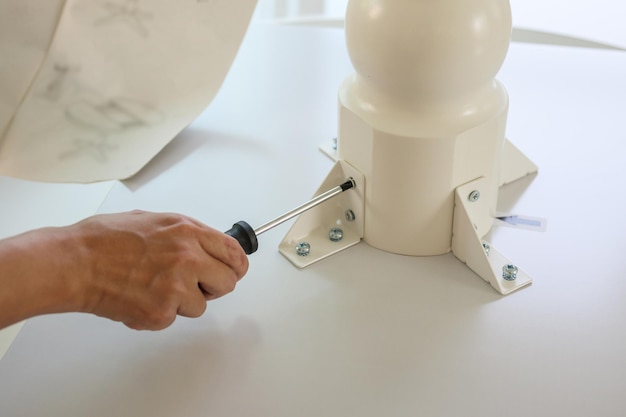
point(474, 196)
point(487, 248)
point(509, 272)
point(350, 216)
point(335, 234)
point(334, 144)
point(303, 249)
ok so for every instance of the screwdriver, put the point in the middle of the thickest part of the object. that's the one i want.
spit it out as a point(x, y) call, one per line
point(247, 236)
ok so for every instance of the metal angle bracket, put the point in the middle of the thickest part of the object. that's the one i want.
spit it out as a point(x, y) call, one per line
point(515, 164)
point(469, 228)
point(331, 227)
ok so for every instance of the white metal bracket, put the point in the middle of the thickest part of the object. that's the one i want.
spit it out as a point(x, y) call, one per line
point(344, 212)
point(469, 227)
point(472, 221)
point(330, 150)
point(515, 164)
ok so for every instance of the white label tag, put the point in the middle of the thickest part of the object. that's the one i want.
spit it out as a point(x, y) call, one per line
point(519, 221)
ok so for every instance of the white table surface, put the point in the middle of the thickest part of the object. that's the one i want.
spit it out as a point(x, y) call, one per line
point(599, 20)
point(365, 333)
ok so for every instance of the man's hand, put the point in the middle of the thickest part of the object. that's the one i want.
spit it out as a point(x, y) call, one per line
point(139, 268)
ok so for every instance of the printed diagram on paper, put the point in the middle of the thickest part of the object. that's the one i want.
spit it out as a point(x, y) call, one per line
point(113, 82)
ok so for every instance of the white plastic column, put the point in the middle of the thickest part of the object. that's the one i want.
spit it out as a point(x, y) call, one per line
point(423, 114)
point(422, 123)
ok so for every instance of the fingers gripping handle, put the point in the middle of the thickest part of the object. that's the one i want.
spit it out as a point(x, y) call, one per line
point(245, 235)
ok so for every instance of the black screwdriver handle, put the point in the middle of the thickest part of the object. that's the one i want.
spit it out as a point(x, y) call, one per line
point(245, 236)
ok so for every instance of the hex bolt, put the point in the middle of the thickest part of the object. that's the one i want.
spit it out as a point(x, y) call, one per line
point(474, 196)
point(509, 272)
point(335, 234)
point(350, 216)
point(303, 249)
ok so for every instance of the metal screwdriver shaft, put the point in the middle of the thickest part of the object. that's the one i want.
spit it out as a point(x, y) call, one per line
point(247, 236)
point(306, 206)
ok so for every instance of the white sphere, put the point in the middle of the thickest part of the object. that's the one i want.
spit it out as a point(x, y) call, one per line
point(430, 48)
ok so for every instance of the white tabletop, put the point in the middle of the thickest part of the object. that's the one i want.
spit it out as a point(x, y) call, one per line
point(365, 333)
point(599, 20)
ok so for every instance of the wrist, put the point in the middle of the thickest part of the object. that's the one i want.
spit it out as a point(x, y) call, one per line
point(40, 273)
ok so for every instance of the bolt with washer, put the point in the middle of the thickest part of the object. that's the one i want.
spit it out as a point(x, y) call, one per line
point(303, 249)
point(474, 196)
point(509, 272)
point(335, 234)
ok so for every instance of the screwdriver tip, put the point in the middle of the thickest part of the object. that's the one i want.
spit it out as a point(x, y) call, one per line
point(348, 184)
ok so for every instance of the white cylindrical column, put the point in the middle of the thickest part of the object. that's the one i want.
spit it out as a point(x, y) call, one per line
point(423, 113)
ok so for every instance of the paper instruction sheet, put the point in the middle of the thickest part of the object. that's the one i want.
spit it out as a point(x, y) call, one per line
point(93, 89)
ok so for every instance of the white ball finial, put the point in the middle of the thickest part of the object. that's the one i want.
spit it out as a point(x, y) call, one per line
point(427, 48)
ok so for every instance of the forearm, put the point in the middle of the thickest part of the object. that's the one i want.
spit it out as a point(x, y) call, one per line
point(38, 276)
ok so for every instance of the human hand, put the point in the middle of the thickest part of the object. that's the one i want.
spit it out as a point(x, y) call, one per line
point(144, 268)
